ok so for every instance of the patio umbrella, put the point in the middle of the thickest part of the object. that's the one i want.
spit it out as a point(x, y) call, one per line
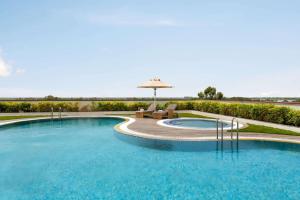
point(155, 84)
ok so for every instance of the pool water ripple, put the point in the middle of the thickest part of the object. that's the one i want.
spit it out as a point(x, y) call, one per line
point(87, 159)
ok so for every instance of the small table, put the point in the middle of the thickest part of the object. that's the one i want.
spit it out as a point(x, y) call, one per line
point(139, 114)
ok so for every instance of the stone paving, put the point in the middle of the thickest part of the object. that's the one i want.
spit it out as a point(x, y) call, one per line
point(149, 128)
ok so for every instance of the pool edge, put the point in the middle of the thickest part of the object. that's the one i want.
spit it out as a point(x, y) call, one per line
point(122, 128)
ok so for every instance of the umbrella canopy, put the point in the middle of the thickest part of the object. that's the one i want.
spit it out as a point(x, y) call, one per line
point(154, 84)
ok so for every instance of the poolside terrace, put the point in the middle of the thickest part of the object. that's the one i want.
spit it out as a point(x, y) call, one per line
point(148, 128)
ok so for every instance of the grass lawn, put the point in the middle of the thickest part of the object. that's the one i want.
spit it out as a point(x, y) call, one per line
point(21, 117)
point(265, 129)
point(193, 115)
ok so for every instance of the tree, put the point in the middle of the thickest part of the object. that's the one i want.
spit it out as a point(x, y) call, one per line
point(213, 92)
point(219, 96)
point(210, 92)
point(201, 95)
point(51, 98)
point(207, 92)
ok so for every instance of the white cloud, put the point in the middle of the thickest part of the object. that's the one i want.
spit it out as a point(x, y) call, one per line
point(120, 17)
point(20, 71)
point(5, 68)
point(131, 20)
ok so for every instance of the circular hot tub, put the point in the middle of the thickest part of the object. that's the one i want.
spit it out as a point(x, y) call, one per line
point(197, 123)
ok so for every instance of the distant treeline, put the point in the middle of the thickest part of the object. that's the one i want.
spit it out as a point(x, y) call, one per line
point(53, 98)
point(97, 99)
point(271, 99)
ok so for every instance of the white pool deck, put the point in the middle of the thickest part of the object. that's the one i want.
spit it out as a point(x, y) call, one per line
point(148, 128)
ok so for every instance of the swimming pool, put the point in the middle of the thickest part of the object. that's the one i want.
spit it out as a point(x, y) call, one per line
point(87, 159)
point(196, 123)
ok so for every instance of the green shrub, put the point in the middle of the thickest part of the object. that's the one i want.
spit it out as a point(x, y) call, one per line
point(44, 107)
point(118, 106)
point(245, 111)
point(278, 115)
point(180, 105)
point(25, 107)
point(112, 106)
point(160, 106)
point(8, 107)
point(294, 118)
point(137, 106)
point(261, 112)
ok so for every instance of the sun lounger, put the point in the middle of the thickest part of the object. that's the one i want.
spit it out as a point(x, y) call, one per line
point(146, 113)
point(169, 112)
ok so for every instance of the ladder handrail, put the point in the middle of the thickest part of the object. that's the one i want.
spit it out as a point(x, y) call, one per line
point(237, 128)
point(222, 129)
point(232, 121)
point(60, 112)
point(52, 114)
point(217, 121)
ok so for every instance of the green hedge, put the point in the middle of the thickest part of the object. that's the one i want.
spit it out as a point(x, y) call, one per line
point(118, 106)
point(261, 112)
point(7, 107)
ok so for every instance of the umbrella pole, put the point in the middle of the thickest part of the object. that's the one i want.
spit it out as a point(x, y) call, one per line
point(155, 98)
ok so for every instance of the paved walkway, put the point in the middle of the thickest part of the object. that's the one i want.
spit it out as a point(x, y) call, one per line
point(148, 128)
point(223, 117)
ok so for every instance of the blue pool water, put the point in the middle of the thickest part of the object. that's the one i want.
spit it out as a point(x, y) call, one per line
point(87, 159)
point(196, 123)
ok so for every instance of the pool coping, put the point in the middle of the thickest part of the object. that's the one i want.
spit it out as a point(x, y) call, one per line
point(122, 128)
point(16, 121)
point(162, 123)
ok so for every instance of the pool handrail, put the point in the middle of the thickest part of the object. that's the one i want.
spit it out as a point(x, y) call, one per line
point(222, 129)
point(237, 128)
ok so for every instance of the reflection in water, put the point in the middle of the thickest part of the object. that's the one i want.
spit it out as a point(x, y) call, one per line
point(64, 121)
point(147, 143)
point(229, 146)
point(233, 147)
point(88, 159)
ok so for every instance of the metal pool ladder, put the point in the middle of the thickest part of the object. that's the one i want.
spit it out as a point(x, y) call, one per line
point(222, 129)
point(237, 128)
point(60, 112)
point(52, 113)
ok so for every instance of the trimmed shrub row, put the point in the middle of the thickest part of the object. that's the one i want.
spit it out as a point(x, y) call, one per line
point(118, 106)
point(261, 112)
point(7, 107)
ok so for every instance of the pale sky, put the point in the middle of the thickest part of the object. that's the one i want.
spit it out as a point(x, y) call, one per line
point(106, 48)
